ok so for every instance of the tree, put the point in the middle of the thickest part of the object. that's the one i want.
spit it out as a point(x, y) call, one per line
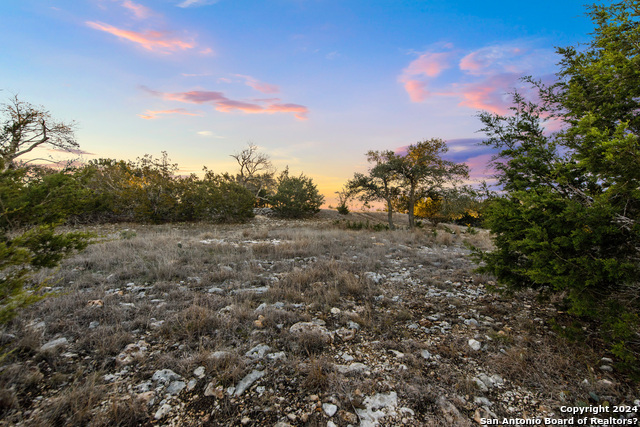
point(31, 206)
point(256, 171)
point(296, 197)
point(423, 171)
point(568, 219)
point(26, 127)
point(380, 184)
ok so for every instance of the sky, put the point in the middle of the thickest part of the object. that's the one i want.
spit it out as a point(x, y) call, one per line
point(315, 84)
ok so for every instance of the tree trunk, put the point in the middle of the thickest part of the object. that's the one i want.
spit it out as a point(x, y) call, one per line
point(410, 207)
point(390, 215)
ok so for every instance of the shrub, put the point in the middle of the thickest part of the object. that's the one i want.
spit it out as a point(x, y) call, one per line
point(296, 197)
point(568, 220)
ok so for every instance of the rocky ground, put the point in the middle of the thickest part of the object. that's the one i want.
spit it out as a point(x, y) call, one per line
point(278, 323)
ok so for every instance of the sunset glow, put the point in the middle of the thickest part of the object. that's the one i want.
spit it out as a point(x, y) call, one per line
point(314, 84)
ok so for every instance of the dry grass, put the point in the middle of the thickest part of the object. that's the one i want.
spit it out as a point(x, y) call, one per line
point(186, 290)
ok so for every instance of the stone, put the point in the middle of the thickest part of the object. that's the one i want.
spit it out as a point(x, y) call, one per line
point(132, 352)
point(175, 387)
point(258, 351)
point(258, 290)
point(165, 376)
point(60, 342)
point(451, 413)
point(346, 334)
point(310, 327)
point(354, 367)
point(348, 417)
point(199, 372)
point(475, 345)
point(212, 390)
point(480, 384)
point(146, 398)
point(425, 354)
point(330, 409)
point(376, 407)
point(162, 411)
point(335, 310)
point(276, 356)
point(192, 384)
point(247, 381)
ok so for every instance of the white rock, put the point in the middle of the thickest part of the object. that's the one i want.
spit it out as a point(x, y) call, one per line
point(377, 406)
point(54, 344)
point(276, 356)
point(425, 354)
point(258, 351)
point(175, 387)
point(329, 409)
point(165, 376)
point(246, 382)
point(335, 310)
point(162, 411)
point(475, 345)
point(310, 327)
point(199, 372)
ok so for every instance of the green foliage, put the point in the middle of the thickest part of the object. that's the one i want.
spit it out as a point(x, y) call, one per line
point(568, 220)
point(28, 240)
point(360, 225)
point(344, 195)
point(401, 180)
point(296, 197)
point(149, 191)
point(381, 183)
point(343, 209)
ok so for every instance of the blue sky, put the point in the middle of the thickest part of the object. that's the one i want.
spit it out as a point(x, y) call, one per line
point(314, 83)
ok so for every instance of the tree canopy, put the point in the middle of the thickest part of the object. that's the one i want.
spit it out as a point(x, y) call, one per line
point(568, 219)
point(25, 127)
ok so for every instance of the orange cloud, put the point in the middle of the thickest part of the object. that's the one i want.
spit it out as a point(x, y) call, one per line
point(140, 11)
point(157, 41)
point(258, 85)
point(150, 115)
point(223, 104)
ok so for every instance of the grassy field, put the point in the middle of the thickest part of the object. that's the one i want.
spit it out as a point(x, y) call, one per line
point(280, 322)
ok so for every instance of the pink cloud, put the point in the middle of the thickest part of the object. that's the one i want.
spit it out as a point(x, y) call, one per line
point(471, 63)
point(157, 41)
point(196, 96)
point(507, 58)
point(417, 90)
point(140, 11)
point(223, 104)
point(150, 115)
point(490, 75)
point(429, 64)
point(491, 94)
point(258, 85)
